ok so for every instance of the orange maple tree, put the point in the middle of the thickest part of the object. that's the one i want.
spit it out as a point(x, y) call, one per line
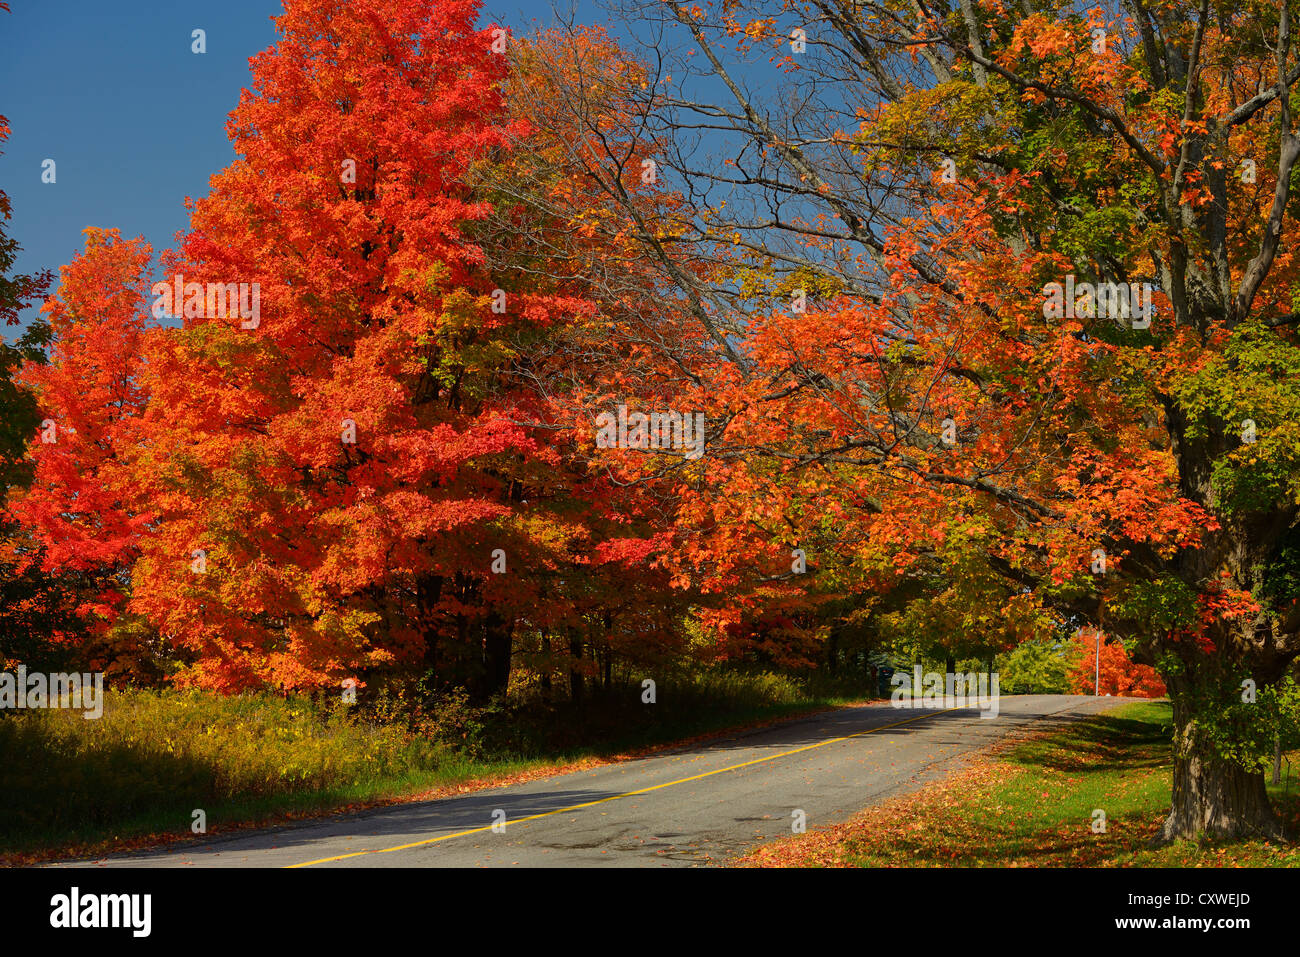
point(1119, 675)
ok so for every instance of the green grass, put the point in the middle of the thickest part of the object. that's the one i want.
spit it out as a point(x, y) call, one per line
point(154, 757)
point(1034, 807)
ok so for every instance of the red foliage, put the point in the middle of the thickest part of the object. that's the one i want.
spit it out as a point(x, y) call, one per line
point(1120, 676)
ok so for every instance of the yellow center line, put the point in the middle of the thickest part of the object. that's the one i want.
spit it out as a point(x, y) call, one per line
point(626, 794)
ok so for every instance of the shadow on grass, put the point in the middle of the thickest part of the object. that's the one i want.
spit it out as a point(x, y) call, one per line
point(1103, 743)
point(52, 793)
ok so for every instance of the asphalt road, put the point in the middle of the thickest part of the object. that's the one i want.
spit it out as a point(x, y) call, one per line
point(692, 807)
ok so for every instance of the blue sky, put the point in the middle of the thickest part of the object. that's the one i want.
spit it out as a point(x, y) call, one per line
point(134, 120)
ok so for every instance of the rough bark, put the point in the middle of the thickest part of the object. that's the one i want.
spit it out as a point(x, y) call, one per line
point(1212, 798)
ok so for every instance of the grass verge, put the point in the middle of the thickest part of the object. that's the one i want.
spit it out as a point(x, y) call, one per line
point(1030, 803)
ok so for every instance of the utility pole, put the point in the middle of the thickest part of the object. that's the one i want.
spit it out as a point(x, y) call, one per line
point(1096, 681)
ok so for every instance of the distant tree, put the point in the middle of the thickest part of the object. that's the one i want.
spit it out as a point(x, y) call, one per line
point(1035, 667)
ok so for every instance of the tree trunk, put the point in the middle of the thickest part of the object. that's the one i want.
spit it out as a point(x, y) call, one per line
point(575, 672)
point(609, 650)
point(428, 594)
point(546, 665)
point(1212, 797)
point(497, 648)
